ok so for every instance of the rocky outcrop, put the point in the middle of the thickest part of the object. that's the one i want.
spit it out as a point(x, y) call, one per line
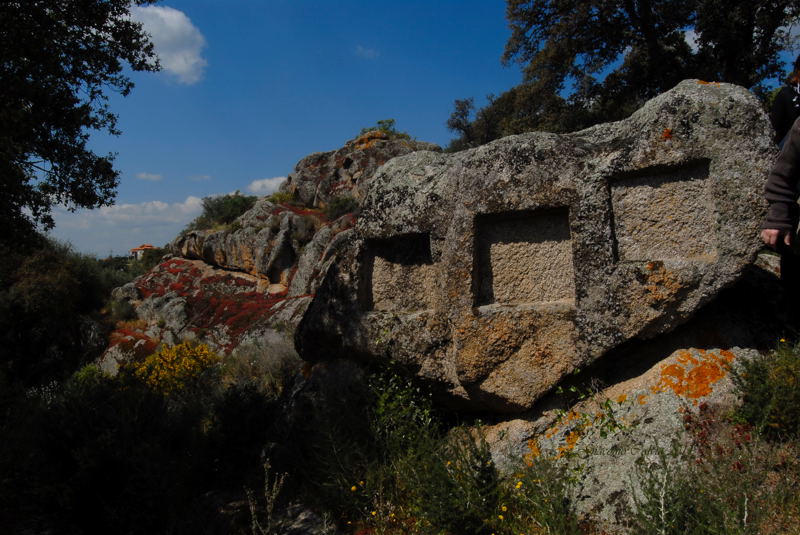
point(254, 280)
point(321, 176)
point(497, 271)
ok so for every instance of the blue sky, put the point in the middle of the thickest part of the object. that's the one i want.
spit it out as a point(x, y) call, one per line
point(252, 86)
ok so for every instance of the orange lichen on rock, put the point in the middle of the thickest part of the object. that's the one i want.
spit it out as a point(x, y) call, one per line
point(571, 441)
point(692, 377)
point(533, 452)
point(369, 139)
point(661, 283)
point(703, 82)
point(666, 134)
point(622, 398)
point(642, 399)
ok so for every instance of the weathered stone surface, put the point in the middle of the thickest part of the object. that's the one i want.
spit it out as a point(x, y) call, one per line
point(231, 286)
point(499, 270)
point(321, 176)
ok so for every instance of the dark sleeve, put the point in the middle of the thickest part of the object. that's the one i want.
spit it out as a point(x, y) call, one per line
point(781, 187)
point(782, 114)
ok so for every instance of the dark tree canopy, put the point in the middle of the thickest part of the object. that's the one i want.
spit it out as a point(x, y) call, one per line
point(58, 61)
point(587, 61)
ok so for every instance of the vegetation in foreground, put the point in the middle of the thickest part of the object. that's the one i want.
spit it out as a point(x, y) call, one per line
point(172, 444)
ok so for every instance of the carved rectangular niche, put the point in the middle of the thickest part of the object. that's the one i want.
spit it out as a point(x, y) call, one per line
point(665, 215)
point(523, 257)
point(398, 274)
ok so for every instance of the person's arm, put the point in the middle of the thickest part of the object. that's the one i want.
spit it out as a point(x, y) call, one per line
point(781, 192)
point(782, 113)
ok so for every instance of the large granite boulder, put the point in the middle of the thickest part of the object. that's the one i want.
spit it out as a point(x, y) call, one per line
point(497, 271)
point(347, 171)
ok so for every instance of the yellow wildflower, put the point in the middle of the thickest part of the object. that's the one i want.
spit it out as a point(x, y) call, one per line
point(373, 513)
point(503, 508)
point(500, 517)
point(519, 484)
point(353, 488)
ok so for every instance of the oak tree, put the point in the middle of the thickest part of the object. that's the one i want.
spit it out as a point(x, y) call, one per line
point(59, 59)
point(587, 61)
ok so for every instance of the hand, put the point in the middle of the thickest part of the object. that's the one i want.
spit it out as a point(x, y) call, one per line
point(772, 237)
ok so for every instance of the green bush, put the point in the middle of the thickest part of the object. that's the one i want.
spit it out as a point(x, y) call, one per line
point(281, 197)
point(339, 206)
point(49, 295)
point(111, 455)
point(726, 479)
point(769, 386)
point(387, 126)
point(221, 210)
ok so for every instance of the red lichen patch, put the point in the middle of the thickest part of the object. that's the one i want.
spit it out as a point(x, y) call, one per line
point(666, 134)
point(174, 275)
point(132, 341)
point(223, 305)
point(692, 377)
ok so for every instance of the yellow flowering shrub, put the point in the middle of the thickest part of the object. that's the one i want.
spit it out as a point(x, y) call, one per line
point(174, 368)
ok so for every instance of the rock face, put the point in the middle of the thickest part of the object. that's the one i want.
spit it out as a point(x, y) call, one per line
point(497, 271)
point(321, 176)
point(253, 282)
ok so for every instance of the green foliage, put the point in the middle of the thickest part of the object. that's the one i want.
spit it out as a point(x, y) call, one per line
point(220, 211)
point(536, 496)
point(587, 62)
point(267, 369)
point(339, 206)
point(769, 386)
point(303, 229)
point(58, 60)
point(727, 479)
point(452, 483)
point(49, 302)
point(387, 126)
point(112, 455)
point(281, 197)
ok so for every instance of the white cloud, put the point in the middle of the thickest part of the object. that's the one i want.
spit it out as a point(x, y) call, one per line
point(149, 176)
point(366, 52)
point(265, 186)
point(178, 42)
point(200, 178)
point(692, 37)
point(123, 226)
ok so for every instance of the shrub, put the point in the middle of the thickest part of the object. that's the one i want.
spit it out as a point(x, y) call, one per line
point(303, 229)
point(535, 499)
point(387, 126)
point(769, 386)
point(281, 197)
point(452, 483)
point(48, 293)
point(269, 369)
point(339, 206)
point(176, 368)
point(221, 210)
point(727, 479)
